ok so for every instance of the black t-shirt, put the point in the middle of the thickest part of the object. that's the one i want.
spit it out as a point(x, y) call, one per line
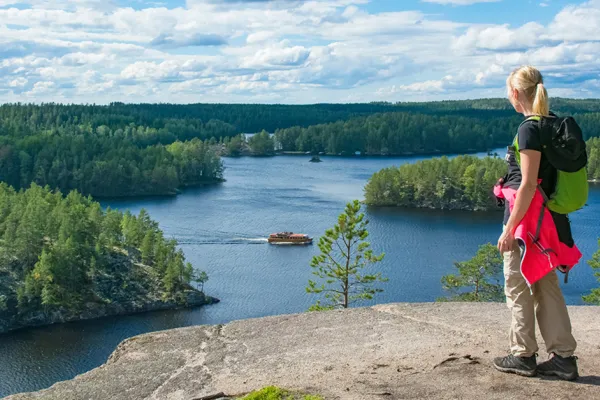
point(529, 139)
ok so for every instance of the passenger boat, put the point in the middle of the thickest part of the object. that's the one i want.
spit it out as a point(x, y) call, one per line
point(289, 238)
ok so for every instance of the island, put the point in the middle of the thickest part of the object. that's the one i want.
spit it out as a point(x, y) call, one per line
point(461, 183)
point(64, 258)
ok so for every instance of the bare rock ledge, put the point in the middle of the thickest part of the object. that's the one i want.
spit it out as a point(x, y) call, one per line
point(392, 351)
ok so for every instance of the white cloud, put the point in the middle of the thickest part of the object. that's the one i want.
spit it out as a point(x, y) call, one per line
point(260, 36)
point(577, 22)
point(501, 37)
point(172, 70)
point(80, 58)
point(276, 56)
point(19, 82)
point(41, 88)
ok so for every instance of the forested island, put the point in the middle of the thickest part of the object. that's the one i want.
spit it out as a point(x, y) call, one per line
point(63, 258)
point(462, 183)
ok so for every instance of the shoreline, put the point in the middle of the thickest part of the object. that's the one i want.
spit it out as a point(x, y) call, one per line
point(397, 207)
point(195, 299)
point(175, 193)
point(364, 155)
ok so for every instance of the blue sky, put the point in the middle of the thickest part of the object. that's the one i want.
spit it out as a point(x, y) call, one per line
point(291, 51)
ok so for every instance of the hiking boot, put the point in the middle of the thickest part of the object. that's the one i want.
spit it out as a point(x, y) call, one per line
point(563, 367)
point(524, 366)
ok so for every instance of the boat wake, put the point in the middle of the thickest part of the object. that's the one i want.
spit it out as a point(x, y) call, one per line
point(227, 241)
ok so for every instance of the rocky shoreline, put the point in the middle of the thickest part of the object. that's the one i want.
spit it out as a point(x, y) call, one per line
point(11, 322)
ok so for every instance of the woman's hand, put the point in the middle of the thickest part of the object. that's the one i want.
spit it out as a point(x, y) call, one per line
point(506, 241)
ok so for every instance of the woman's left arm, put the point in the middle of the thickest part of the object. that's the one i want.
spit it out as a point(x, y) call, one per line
point(530, 166)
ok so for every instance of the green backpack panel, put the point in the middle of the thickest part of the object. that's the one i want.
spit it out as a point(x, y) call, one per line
point(565, 149)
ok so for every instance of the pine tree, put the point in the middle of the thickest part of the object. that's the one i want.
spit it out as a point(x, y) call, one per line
point(478, 279)
point(200, 278)
point(148, 248)
point(171, 278)
point(188, 273)
point(345, 253)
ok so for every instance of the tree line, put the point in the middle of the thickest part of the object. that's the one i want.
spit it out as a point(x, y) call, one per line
point(400, 133)
point(433, 127)
point(64, 252)
point(187, 121)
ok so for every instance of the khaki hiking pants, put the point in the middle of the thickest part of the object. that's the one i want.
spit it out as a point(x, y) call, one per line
point(545, 302)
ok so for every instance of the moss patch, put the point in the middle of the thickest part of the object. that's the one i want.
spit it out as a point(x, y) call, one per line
point(275, 393)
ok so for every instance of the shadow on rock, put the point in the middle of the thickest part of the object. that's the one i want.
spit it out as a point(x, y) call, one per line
point(591, 380)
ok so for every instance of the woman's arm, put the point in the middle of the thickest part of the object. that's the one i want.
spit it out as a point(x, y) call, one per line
point(530, 165)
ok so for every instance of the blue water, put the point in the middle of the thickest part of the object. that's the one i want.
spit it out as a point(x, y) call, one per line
point(222, 230)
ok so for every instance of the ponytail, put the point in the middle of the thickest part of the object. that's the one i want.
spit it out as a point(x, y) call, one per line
point(530, 82)
point(540, 101)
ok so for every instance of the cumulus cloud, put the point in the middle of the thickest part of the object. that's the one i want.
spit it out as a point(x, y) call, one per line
point(17, 83)
point(166, 71)
point(577, 22)
point(276, 56)
point(498, 37)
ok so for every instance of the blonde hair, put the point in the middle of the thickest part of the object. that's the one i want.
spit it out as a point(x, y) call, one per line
point(529, 81)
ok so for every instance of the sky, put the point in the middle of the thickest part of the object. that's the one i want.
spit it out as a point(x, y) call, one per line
point(292, 51)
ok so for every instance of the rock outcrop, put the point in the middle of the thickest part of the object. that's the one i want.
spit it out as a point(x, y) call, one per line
point(394, 351)
point(123, 287)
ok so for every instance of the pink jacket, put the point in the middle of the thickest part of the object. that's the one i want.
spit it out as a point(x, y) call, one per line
point(548, 253)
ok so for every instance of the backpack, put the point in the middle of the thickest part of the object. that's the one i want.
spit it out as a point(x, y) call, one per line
point(565, 149)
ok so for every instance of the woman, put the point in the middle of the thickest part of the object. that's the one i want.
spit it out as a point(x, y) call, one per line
point(543, 299)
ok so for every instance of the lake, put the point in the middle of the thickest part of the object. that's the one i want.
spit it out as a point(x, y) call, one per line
point(222, 230)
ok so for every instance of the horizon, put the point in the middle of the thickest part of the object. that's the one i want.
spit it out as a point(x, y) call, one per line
point(392, 103)
point(291, 51)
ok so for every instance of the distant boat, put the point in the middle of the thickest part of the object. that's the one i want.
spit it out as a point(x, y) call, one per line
point(316, 159)
point(289, 238)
